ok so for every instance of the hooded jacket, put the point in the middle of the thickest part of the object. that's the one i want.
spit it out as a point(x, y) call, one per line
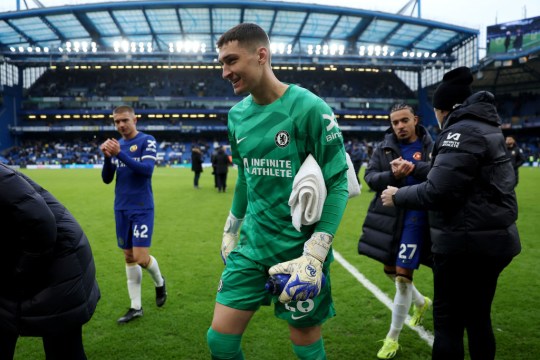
point(47, 273)
point(470, 187)
point(381, 232)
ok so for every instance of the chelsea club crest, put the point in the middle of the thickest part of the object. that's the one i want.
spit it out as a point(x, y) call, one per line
point(282, 139)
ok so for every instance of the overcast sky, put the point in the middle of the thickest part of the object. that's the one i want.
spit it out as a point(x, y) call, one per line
point(475, 14)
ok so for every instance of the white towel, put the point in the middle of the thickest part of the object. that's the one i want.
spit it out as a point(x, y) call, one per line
point(308, 194)
point(352, 181)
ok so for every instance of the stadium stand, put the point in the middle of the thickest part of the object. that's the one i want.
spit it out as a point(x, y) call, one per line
point(61, 77)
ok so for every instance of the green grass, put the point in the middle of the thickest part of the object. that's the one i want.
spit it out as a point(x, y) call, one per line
point(186, 243)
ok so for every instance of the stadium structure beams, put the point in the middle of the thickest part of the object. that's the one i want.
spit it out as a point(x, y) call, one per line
point(89, 27)
point(162, 23)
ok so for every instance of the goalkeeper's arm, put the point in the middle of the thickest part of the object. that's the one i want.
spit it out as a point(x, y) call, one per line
point(306, 271)
point(230, 235)
point(233, 223)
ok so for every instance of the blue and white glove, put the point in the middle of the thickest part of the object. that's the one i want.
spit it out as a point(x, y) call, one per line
point(306, 271)
point(230, 236)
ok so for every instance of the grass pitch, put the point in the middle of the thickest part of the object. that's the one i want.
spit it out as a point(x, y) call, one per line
point(186, 243)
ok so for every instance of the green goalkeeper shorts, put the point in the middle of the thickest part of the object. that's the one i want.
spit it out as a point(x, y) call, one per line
point(242, 287)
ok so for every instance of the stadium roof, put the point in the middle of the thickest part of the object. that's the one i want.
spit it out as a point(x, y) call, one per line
point(186, 31)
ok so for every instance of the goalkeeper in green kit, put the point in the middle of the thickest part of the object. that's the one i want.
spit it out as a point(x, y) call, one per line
point(271, 132)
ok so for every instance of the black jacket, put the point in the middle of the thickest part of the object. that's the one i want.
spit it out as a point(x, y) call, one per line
point(470, 187)
point(221, 162)
point(516, 156)
point(381, 232)
point(47, 272)
point(196, 161)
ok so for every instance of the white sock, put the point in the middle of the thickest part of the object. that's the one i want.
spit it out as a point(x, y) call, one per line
point(417, 297)
point(134, 278)
point(402, 303)
point(153, 269)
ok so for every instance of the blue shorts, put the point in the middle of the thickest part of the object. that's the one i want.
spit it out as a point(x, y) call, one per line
point(134, 228)
point(414, 230)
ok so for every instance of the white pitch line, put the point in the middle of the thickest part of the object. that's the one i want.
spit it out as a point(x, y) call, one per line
point(423, 333)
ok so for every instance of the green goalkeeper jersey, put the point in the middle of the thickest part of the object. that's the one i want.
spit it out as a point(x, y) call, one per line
point(269, 144)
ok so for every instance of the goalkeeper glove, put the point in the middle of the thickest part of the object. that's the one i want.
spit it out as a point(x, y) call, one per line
point(306, 271)
point(230, 236)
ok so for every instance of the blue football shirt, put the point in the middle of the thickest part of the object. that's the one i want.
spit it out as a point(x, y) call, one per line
point(134, 167)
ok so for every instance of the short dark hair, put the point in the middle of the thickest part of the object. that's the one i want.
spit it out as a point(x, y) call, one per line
point(123, 108)
point(247, 34)
point(401, 106)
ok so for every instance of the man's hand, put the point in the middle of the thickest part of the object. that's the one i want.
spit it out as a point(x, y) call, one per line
point(387, 196)
point(230, 236)
point(401, 168)
point(105, 148)
point(111, 147)
point(306, 271)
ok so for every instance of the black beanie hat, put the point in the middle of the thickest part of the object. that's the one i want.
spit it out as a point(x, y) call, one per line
point(454, 89)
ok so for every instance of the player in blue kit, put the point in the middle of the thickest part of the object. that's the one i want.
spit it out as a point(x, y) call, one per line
point(132, 158)
point(397, 237)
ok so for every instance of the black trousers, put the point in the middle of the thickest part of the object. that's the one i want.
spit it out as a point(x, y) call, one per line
point(464, 290)
point(221, 181)
point(66, 346)
point(196, 178)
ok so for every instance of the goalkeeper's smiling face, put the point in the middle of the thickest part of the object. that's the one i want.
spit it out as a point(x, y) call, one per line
point(241, 66)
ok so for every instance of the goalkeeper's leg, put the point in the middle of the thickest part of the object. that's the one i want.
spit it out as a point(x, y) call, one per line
point(308, 343)
point(225, 334)
point(224, 346)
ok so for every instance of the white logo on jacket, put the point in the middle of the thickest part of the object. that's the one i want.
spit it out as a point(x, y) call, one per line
point(451, 140)
point(452, 136)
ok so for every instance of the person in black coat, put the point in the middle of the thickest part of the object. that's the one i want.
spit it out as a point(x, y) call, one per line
point(221, 163)
point(398, 238)
point(516, 155)
point(48, 284)
point(196, 165)
point(469, 193)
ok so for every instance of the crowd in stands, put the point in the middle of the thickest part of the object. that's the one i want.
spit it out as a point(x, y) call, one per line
point(79, 151)
point(182, 89)
point(170, 152)
point(153, 82)
point(87, 89)
point(519, 108)
point(53, 153)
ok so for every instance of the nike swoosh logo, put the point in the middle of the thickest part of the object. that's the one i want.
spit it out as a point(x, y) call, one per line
point(298, 317)
point(240, 140)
